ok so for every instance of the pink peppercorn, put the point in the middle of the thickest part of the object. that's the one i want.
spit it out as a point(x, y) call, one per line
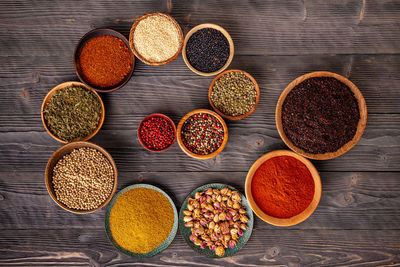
point(156, 133)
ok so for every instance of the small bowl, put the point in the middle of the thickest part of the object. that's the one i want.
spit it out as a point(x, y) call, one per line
point(96, 33)
point(161, 247)
point(295, 219)
point(151, 116)
point(60, 87)
point(218, 28)
point(240, 116)
point(142, 58)
point(187, 151)
point(362, 106)
point(64, 150)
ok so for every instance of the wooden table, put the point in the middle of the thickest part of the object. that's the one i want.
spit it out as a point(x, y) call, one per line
point(357, 222)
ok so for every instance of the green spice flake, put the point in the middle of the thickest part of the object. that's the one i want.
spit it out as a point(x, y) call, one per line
point(73, 112)
point(234, 94)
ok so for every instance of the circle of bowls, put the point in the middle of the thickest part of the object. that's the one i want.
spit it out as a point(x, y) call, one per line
point(362, 106)
point(96, 33)
point(218, 28)
point(163, 245)
point(186, 232)
point(61, 152)
point(61, 87)
point(284, 221)
point(239, 117)
point(160, 116)
point(139, 56)
point(190, 153)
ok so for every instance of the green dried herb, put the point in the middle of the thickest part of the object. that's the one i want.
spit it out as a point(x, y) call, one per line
point(234, 94)
point(72, 112)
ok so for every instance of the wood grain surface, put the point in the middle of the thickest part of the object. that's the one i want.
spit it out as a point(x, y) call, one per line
point(357, 222)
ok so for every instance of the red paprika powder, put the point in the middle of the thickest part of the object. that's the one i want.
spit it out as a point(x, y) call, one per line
point(282, 187)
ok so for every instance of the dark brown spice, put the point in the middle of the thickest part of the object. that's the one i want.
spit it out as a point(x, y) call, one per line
point(320, 115)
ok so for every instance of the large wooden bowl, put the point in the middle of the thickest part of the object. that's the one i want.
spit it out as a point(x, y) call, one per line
point(362, 106)
point(132, 45)
point(240, 116)
point(187, 151)
point(96, 33)
point(292, 220)
point(64, 150)
point(65, 85)
point(218, 28)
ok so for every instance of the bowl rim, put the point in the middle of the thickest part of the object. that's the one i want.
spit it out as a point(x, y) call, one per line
point(66, 149)
point(218, 28)
point(229, 117)
point(64, 85)
point(362, 106)
point(85, 38)
point(297, 218)
point(187, 151)
point(140, 57)
point(164, 245)
point(151, 116)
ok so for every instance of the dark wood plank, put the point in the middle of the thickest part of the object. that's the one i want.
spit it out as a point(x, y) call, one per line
point(264, 27)
point(174, 88)
point(82, 247)
point(350, 200)
point(25, 146)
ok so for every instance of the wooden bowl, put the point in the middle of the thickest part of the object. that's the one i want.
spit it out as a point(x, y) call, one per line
point(240, 116)
point(297, 218)
point(187, 151)
point(66, 149)
point(362, 106)
point(60, 87)
point(156, 115)
point(218, 28)
point(142, 58)
point(96, 33)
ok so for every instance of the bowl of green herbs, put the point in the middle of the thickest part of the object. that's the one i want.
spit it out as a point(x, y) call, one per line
point(72, 111)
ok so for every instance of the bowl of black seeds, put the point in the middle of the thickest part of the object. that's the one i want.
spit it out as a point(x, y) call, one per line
point(208, 49)
point(321, 115)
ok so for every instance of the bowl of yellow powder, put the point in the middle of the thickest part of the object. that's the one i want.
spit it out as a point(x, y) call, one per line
point(141, 220)
point(156, 39)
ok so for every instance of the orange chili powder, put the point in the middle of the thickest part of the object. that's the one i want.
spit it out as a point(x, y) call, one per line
point(282, 187)
point(105, 61)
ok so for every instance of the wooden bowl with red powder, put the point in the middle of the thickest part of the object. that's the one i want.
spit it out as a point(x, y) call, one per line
point(283, 188)
point(103, 60)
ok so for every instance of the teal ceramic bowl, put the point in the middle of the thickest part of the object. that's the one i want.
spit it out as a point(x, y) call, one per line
point(185, 231)
point(161, 247)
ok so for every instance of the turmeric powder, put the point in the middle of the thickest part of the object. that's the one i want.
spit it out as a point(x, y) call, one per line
point(141, 219)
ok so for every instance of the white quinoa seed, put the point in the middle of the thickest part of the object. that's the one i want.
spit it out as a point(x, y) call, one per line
point(156, 38)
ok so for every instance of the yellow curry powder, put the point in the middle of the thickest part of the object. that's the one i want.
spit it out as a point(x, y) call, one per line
point(141, 219)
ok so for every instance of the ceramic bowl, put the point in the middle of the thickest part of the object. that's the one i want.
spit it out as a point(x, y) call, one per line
point(362, 106)
point(227, 36)
point(240, 116)
point(61, 152)
point(96, 33)
point(284, 221)
point(66, 85)
point(162, 246)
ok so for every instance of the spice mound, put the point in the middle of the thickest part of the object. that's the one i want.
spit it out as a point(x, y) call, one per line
point(141, 219)
point(202, 133)
point(157, 133)
point(207, 50)
point(105, 61)
point(282, 187)
point(156, 38)
point(216, 219)
point(72, 112)
point(83, 179)
point(320, 115)
point(234, 94)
